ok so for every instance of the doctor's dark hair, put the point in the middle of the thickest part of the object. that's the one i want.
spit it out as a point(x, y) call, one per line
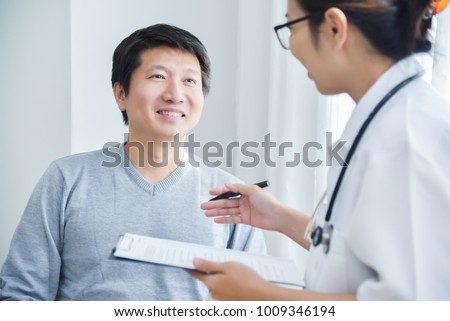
point(396, 28)
point(126, 57)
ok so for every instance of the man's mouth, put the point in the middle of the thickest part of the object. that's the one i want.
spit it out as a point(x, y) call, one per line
point(171, 113)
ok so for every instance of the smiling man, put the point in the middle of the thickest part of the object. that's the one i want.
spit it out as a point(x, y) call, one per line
point(62, 247)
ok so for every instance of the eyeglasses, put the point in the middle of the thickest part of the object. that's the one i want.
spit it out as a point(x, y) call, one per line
point(284, 31)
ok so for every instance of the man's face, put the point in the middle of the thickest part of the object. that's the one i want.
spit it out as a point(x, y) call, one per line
point(165, 96)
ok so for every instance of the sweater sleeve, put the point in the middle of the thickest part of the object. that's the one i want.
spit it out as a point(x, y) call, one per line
point(31, 270)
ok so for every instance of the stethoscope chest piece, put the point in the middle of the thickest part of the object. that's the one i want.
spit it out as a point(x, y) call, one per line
point(323, 235)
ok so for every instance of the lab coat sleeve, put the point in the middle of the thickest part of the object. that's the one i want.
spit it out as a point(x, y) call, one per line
point(31, 270)
point(400, 226)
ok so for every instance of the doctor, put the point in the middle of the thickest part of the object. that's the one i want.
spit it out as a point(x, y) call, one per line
point(382, 232)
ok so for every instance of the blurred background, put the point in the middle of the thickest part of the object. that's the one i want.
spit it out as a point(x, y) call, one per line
point(55, 63)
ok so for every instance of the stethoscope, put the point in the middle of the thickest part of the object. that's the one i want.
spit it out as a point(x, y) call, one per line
point(322, 235)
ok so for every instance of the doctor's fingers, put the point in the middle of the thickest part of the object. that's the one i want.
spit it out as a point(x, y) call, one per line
point(226, 216)
point(218, 190)
point(243, 189)
point(224, 203)
point(231, 219)
point(212, 281)
point(220, 212)
point(208, 266)
point(198, 275)
point(228, 187)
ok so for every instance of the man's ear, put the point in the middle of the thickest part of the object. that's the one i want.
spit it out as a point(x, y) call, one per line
point(119, 94)
point(336, 25)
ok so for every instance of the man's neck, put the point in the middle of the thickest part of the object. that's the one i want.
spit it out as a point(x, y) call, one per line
point(155, 161)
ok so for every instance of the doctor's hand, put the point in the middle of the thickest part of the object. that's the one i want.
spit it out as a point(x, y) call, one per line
point(255, 207)
point(231, 281)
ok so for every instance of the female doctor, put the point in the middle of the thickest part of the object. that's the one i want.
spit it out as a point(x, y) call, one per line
point(383, 231)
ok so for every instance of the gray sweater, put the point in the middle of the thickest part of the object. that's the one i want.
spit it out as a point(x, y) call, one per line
point(62, 247)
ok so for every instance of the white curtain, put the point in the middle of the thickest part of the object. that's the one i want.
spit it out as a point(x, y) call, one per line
point(441, 55)
point(276, 97)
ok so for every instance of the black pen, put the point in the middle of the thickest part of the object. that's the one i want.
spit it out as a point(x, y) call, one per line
point(232, 194)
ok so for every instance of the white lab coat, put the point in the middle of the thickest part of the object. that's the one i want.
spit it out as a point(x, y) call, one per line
point(391, 218)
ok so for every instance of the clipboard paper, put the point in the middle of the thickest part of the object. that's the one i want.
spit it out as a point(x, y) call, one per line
point(181, 254)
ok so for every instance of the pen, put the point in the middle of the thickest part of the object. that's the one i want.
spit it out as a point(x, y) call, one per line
point(232, 194)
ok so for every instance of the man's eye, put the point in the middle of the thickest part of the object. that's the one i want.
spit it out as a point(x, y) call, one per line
point(157, 76)
point(191, 81)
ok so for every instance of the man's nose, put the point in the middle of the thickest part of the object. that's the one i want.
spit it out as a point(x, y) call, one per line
point(174, 92)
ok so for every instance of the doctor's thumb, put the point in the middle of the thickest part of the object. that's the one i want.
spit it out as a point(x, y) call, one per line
point(206, 266)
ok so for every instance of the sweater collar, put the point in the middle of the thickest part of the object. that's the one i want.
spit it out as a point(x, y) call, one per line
point(137, 177)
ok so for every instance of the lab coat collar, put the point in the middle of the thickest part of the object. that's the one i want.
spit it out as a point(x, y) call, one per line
point(400, 71)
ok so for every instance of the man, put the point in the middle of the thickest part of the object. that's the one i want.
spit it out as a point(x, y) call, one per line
point(62, 247)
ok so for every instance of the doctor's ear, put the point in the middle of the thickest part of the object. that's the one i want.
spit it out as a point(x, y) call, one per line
point(119, 95)
point(335, 24)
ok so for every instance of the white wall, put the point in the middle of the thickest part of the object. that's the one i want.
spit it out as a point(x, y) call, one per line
point(35, 92)
point(275, 97)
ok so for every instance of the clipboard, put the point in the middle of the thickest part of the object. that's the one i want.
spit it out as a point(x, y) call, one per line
point(181, 254)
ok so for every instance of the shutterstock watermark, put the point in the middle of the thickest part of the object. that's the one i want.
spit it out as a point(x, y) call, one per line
point(215, 154)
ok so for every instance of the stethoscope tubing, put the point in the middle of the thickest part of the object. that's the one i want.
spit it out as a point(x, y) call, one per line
point(358, 137)
point(323, 235)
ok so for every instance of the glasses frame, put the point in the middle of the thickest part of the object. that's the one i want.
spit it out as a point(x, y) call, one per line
point(287, 25)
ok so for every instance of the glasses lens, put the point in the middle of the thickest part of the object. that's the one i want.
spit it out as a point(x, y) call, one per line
point(283, 35)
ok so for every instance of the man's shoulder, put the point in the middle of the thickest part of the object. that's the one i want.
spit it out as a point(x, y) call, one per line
point(78, 159)
point(92, 160)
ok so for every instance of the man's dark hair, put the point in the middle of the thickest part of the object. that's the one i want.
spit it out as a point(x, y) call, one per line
point(126, 57)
